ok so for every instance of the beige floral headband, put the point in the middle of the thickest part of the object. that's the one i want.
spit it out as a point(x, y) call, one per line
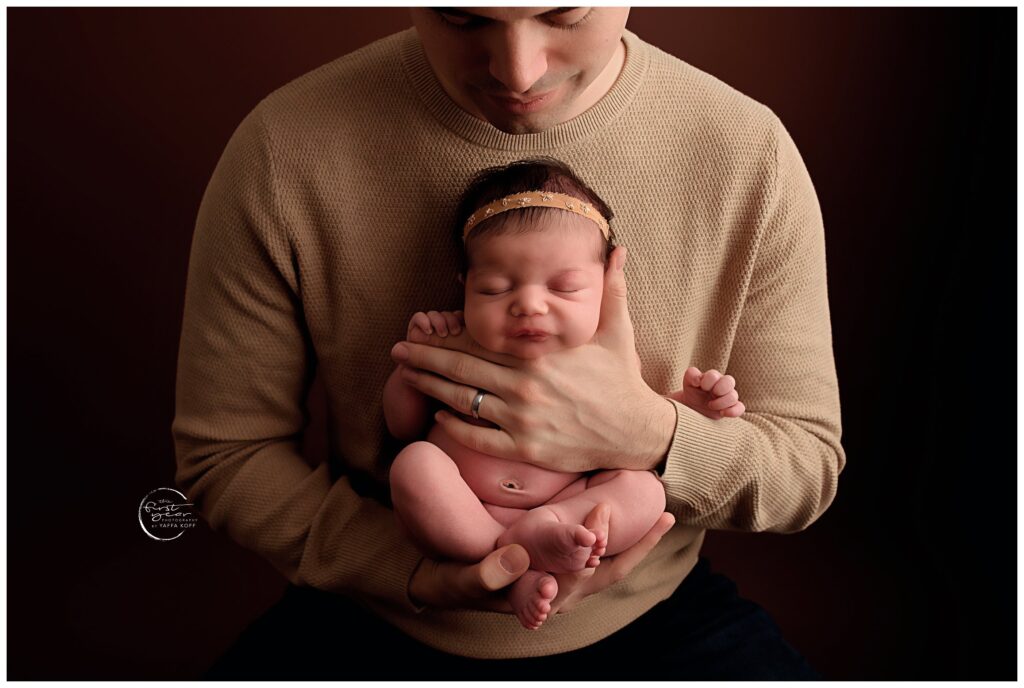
point(534, 199)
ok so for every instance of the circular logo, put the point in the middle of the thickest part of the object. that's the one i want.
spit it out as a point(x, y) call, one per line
point(165, 514)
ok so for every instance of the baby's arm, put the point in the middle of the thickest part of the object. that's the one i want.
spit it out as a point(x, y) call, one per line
point(711, 394)
point(406, 409)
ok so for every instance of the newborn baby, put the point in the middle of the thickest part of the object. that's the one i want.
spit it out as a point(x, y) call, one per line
point(535, 241)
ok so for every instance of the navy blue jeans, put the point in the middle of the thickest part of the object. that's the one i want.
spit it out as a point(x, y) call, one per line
point(705, 630)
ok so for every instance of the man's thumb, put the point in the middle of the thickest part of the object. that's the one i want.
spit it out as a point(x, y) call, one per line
point(503, 566)
point(614, 311)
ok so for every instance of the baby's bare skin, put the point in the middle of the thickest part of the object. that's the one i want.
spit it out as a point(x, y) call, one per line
point(469, 491)
point(462, 504)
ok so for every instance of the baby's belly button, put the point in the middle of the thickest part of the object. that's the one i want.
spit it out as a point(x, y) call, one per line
point(510, 484)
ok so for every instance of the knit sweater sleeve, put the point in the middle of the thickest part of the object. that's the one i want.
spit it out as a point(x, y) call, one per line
point(776, 467)
point(244, 370)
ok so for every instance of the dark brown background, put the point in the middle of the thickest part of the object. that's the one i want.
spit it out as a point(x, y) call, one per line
point(905, 119)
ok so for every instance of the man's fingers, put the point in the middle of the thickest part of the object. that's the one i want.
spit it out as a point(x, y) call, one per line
point(571, 589)
point(620, 565)
point(598, 517)
point(482, 582)
point(498, 569)
point(485, 440)
point(597, 522)
point(455, 585)
point(454, 363)
point(466, 344)
point(459, 397)
point(615, 329)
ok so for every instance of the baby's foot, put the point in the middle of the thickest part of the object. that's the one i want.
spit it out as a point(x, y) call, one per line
point(553, 546)
point(597, 523)
point(531, 597)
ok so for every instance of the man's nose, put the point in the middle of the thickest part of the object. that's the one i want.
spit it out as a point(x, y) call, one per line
point(529, 301)
point(519, 58)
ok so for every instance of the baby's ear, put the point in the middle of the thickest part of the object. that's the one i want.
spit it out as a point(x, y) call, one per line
point(460, 278)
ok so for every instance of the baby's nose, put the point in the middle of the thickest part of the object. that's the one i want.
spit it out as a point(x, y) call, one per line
point(529, 302)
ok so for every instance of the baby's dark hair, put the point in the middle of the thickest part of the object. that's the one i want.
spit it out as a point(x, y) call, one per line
point(533, 174)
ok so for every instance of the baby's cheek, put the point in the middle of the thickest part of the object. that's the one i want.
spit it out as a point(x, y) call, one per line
point(584, 323)
point(480, 325)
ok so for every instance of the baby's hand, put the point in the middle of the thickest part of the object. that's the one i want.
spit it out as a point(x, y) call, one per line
point(443, 323)
point(710, 393)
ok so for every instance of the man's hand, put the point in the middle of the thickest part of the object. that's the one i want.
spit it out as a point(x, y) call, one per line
point(574, 410)
point(574, 587)
point(453, 585)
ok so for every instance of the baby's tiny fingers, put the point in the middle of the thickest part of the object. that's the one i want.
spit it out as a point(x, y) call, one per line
point(421, 321)
point(709, 380)
point(438, 322)
point(724, 402)
point(734, 411)
point(724, 386)
point(691, 378)
point(452, 320)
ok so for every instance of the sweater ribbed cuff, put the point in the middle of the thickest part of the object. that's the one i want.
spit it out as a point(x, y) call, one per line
point(398, 574)
point(701, 453)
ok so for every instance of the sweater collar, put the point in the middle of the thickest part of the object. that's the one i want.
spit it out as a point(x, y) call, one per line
point(485, 134)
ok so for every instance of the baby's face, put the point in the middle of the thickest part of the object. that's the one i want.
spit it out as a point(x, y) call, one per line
point(528, 294)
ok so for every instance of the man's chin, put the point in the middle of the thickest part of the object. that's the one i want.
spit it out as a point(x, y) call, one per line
point(511, 124)
point(521, 123)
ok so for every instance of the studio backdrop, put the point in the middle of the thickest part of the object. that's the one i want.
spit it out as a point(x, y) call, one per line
point(905, 119)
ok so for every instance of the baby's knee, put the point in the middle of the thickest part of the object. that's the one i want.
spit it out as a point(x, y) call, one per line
point(643, 486)
point(418, 462)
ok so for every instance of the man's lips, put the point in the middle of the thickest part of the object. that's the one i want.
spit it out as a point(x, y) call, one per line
point(521, 106)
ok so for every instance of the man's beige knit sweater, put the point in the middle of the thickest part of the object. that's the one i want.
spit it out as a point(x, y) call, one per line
point(327, 224)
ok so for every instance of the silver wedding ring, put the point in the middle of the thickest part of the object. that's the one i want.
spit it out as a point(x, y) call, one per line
point(474, 408)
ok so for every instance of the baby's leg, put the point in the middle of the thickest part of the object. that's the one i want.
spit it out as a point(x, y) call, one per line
point(636, 500)
point(505, 515)
point(554, 544)
point(437, 508)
